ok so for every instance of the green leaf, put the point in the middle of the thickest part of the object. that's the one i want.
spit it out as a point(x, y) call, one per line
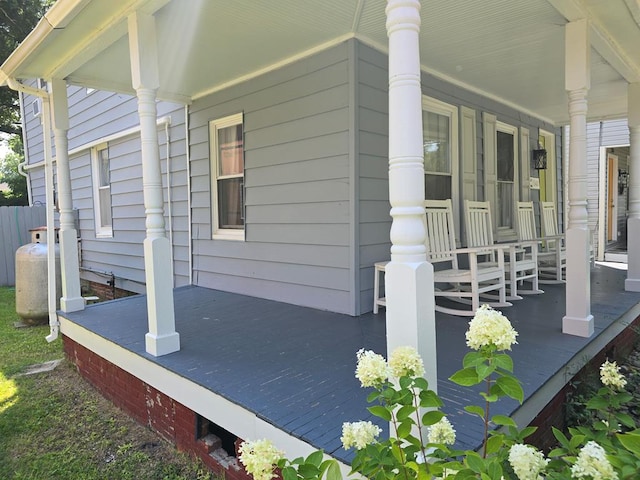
point(495, 395)
point(289, 473)
point(484, 370)
point(405, 412)
point(576, 441)
point(495, 470)
point(308, 471)
point(626, 419)
point(333, 472)
point(381, 412)
point(630, 441)
point(405, 382)
point(475, 462)
point(504, 362)
point(503, 420)
point(430, 399)
point(432, 417)
point(560, 437)
point(315, 458)
point(526, 431)
point(472, 359)
point(494, 443)
point(475, 410)
point(465, 377)
point(598, 403)
point(511, 387)
point(403, 429)
point(421, 383)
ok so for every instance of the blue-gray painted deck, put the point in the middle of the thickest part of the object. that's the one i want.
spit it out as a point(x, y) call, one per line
point(294, 366)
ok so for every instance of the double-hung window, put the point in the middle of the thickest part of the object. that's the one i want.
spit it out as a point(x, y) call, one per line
point(440, 148)
point(227, 167)
point(102, 190)
point(507, 188)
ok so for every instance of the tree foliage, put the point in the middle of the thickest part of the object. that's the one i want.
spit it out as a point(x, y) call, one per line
point(17, 19)
point(9, 174)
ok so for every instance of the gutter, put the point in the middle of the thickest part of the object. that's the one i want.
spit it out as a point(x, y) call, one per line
point(54, 324)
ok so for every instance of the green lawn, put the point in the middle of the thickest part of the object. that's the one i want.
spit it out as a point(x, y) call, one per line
point(55, 426)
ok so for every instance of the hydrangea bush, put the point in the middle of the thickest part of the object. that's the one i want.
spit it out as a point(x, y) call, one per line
point(421, 442)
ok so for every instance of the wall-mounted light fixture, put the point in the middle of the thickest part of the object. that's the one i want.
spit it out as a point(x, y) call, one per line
point(539, 158)
point(623, 179)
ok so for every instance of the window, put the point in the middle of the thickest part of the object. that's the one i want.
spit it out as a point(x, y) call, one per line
point(506, 169)
point(227, 157)
point(440, 136)
point(440, 148)
point(102, 190)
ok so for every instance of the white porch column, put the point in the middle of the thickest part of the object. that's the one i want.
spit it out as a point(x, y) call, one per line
point(578, 319)
point(409, 277)
point(71, 300)
point(632, 283)
point(162, 337)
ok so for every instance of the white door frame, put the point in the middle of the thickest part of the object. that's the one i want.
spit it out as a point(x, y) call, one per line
point(602, 200)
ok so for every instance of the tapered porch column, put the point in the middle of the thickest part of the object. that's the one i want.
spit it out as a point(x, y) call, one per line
point(71, 300)
point(162, 337)
point(632, 283)
point(578, 319)
point(409, 277)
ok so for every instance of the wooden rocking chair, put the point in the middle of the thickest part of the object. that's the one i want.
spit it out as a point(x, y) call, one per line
point(455, 283)
point(522, 256)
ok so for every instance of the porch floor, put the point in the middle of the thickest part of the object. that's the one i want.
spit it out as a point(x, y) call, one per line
point(294, 366)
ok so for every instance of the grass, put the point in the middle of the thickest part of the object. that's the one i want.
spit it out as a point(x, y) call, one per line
point(54, 425)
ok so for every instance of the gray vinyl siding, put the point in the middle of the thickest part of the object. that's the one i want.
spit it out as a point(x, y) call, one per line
point(297, 246)
point(375, 221)
point(607, 134)
point(93, 117)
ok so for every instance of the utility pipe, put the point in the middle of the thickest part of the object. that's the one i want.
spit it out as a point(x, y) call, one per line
point(22, 164)
point(188, 159)
point(54, 325)
point(167, 123)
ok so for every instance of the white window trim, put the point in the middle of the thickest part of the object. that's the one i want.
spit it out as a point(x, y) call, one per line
point(101, 231)
point(503, 233)
point(222, 233)
point(441, 108)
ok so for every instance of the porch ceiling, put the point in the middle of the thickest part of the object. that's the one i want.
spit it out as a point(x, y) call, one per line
point(511, 50)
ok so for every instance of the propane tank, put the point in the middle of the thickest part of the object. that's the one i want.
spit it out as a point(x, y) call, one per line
point(32, 281)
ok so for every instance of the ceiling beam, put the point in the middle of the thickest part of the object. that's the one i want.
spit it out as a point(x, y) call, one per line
point(601, 39)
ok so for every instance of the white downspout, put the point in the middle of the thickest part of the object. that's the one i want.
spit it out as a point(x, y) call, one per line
point(189, 228)
point(24, 149)
point(167, 122)
point(54, 325)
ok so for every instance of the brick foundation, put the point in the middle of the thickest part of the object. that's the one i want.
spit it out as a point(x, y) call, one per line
point(105, 291)
point(172, 420)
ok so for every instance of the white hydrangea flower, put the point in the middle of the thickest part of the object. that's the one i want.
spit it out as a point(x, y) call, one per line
point(527, 462)
point(405, 361)
point(259, 458)
point(358, 434)
point(372, 369)
point(490, 327)
point(611, 376)
point(592, 463)
point(442, 432)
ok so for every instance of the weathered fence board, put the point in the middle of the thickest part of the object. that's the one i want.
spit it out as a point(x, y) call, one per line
point(15, 223)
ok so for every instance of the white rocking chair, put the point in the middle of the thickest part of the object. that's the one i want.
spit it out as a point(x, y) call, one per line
point(463, 285)
point(554, 254)
point(522, 260)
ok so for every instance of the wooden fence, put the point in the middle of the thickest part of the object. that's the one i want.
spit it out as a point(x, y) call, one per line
point(15, 223)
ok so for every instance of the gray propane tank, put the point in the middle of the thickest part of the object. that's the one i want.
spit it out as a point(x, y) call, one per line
point(32, 281)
